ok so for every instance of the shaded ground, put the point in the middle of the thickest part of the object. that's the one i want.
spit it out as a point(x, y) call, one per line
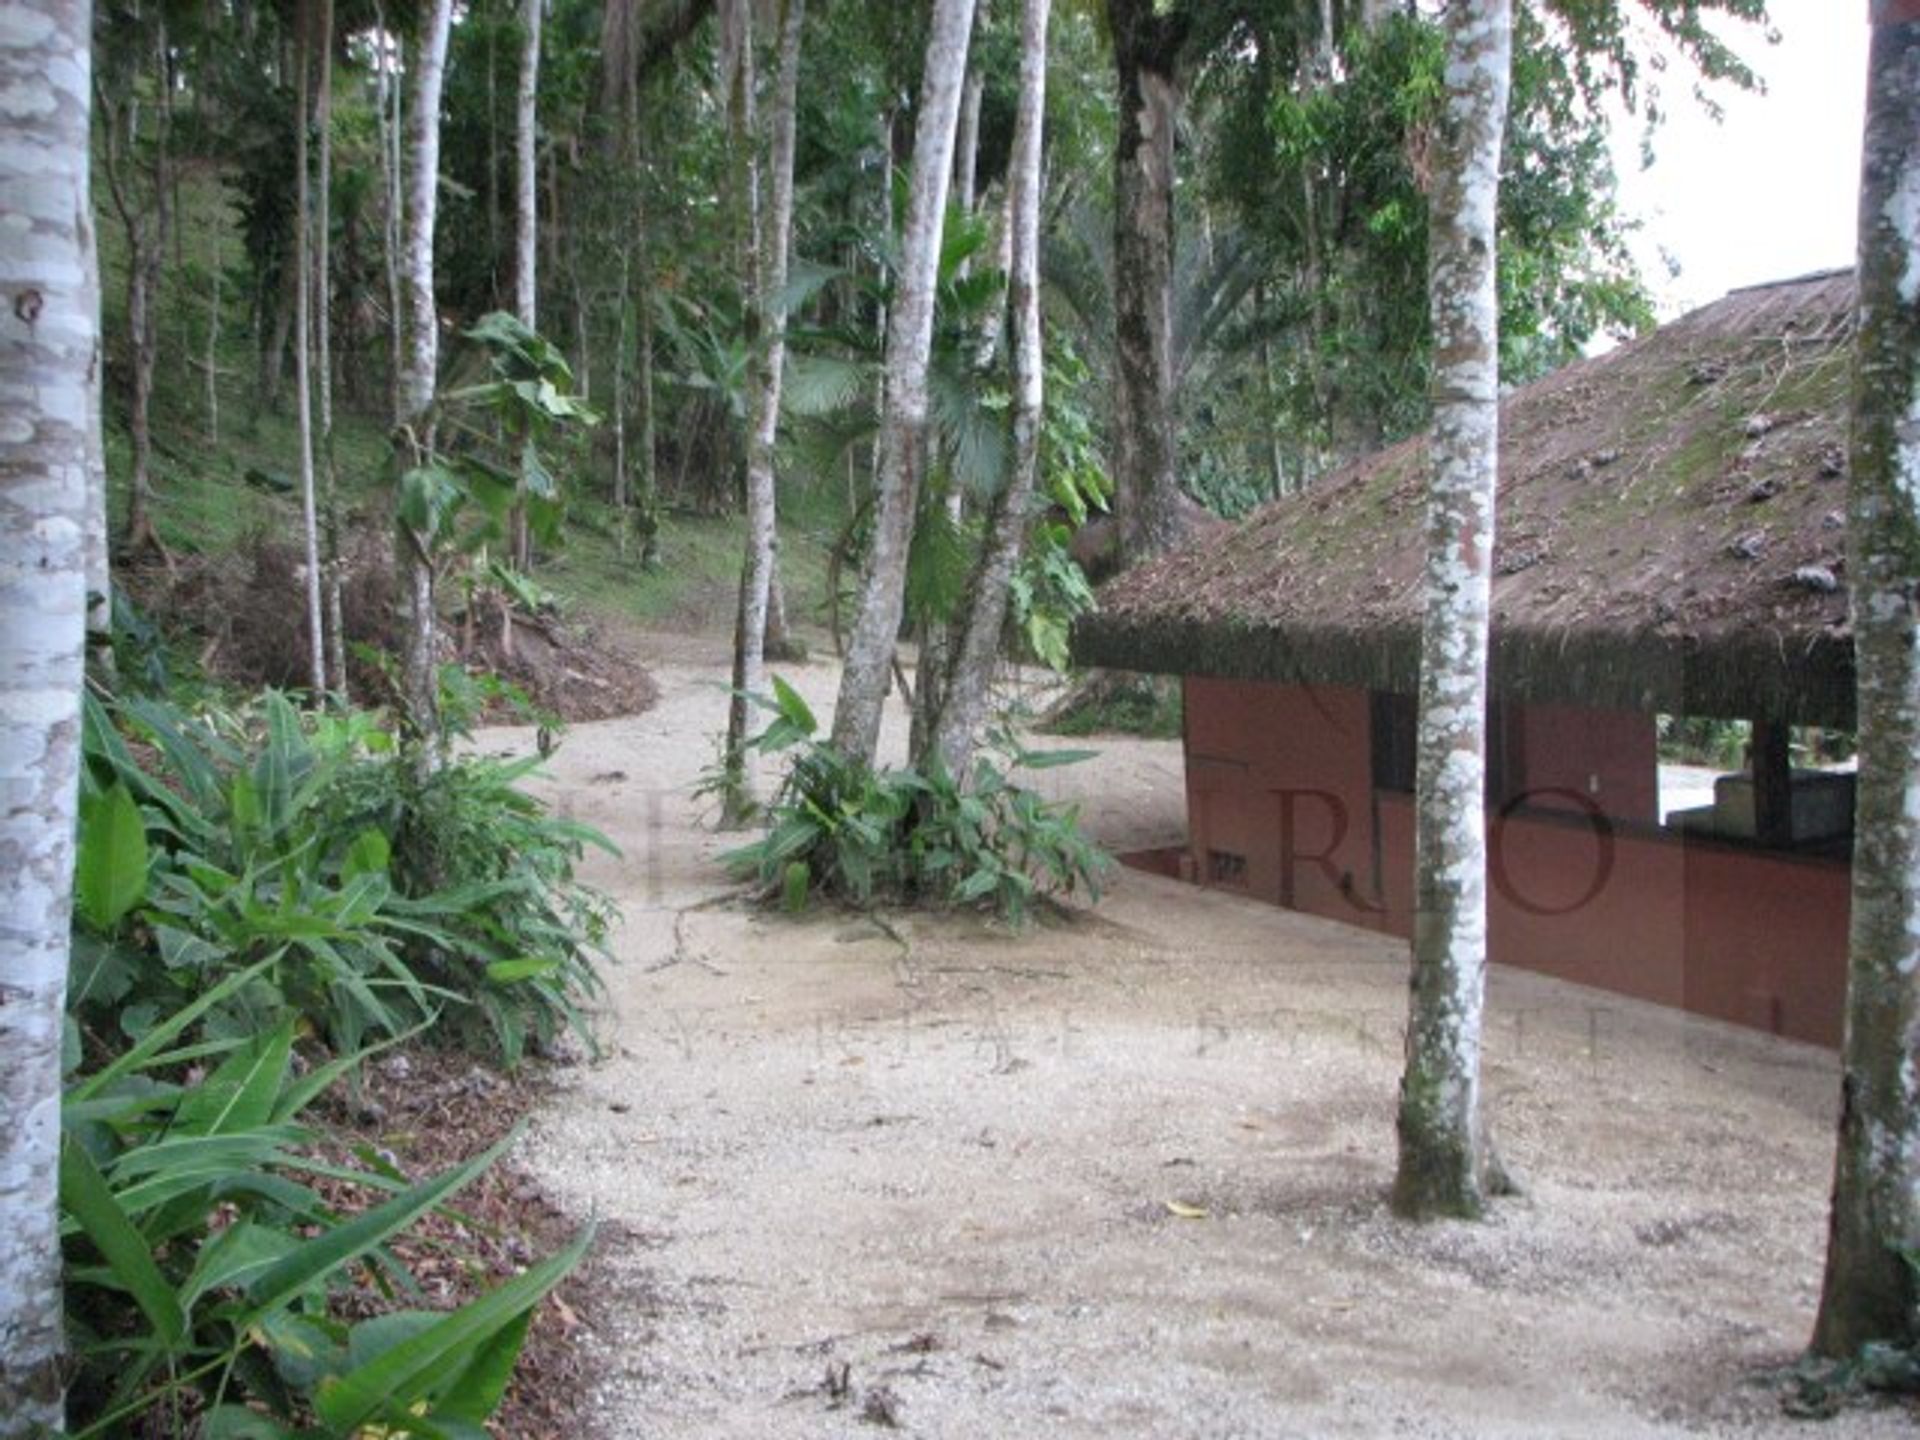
point(1125, 1175)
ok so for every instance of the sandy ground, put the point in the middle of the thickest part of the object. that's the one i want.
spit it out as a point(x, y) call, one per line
point(1124, 1174)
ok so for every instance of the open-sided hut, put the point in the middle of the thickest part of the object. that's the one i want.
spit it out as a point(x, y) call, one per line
point(1671, 541)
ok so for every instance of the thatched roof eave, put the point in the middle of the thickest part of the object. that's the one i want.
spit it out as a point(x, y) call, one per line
point(1671, 538)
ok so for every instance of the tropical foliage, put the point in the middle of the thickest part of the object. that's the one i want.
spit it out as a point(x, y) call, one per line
point(840, 828)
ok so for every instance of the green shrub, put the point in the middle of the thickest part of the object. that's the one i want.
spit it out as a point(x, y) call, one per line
point(201, 1262)
point(841, 828)
point(210, 843)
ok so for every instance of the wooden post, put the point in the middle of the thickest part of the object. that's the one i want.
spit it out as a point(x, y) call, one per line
point(1772, 764)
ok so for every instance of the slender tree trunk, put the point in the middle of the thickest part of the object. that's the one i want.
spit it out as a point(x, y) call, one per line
point(303, 351)
point(966, 146)
point(49, 352)
point(1145, 49)
point(99, 527)
point(766, 272)
point(870, 651)
point(332, 560)
point(976, 645)
point(419, 374)
point(144, 256)
point(935, 632)
point(646, 478)
point(392, 208)
point(622, 399)
point(780, 642)
point(486, 18)
point(213, 345)
point(1443, 1166)
point(881, 319)
point(1276, 458)
point(1869, 1292)
point(526, 136)
point(526, 220)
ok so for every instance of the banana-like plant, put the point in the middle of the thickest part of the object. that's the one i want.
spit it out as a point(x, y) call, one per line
point(201, 1260)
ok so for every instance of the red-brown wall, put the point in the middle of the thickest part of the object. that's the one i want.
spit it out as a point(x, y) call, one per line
point(1583, 882)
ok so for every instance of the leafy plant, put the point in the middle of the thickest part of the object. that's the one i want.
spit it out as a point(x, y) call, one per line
point(526, 398)
point(841, 828)
point(201, 1261)
point(369, 897)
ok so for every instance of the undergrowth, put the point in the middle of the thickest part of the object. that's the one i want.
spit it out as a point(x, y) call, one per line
point(845, 830)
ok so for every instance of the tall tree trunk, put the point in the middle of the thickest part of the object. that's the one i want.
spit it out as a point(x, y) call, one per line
point(99, 539)
point(1869, 1292)
point(526, 219)
point(393, 206)
point(491, 28)
point(976, 645)
point(935, 634)
point(966, 146)
point(332, 560)
point(646, 476)
point(48, 367)
point(903, 423)
point(766, 336)
point(780, 644)
point(1146, 46)
point(622, 398)
point(526, 137)
point(1443, 1167)
point(213, 343)
point(303, 350)
point(419, 677)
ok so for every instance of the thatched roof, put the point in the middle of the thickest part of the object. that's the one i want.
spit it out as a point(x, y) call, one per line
point(1671, 537)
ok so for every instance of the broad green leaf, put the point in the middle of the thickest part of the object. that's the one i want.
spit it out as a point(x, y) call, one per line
point(235, 1257)
point(156, 1039)
point(1053, 759)
point(506, 972)
point(241, 1093)
point(793, 709)
point(407, 1372)
point(369, 854)
point(328, 1252)
point(237, 1422)
point(85, 1195)
point(110, 871)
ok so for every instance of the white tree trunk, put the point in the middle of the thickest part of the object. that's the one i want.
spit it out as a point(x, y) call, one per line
point(526, 176)
point(99, 528)
point(1443, 1153)
point(966, 150)
point(393, 204)
point(767, 331)
point(1869, 1293)
point(323, 354)
point(903, 424)
point(977, 644)
point(303, 352)
point(750, 606)
point(48, 349)
point(526, 235)
point(420, 365)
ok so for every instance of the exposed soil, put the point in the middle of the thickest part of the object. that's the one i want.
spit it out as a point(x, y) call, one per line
point(246, 611)
point(1125, 1174)
point(427, 1111)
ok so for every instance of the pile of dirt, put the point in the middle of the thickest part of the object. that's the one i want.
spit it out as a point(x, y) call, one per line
point(246, 611)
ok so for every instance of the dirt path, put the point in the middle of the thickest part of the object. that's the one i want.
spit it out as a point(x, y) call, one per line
point(942, 1158)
